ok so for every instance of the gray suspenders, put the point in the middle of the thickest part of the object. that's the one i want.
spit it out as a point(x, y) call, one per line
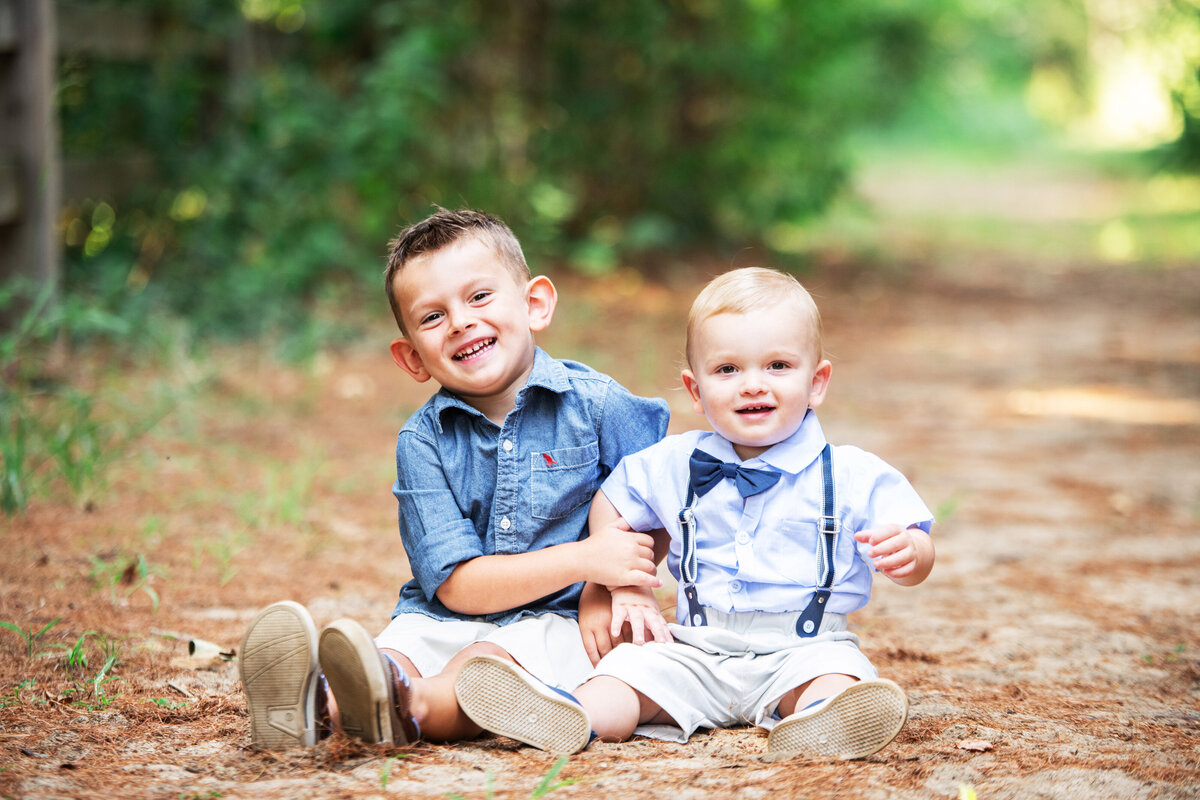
point(809, 622)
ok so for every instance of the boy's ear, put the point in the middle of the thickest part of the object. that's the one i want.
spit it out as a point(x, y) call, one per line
point(693, 388)
point(407, 359)
point(541, 297)
point(820, 383)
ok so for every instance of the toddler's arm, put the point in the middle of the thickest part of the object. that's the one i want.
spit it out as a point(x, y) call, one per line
point(905, 555)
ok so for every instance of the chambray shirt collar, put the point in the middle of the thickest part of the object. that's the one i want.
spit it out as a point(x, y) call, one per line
point(791, 456)
point(547, 373)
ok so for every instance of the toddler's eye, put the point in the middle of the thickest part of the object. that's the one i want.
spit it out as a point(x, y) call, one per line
point(778, 365)
point(727, 369)
point(479, 296)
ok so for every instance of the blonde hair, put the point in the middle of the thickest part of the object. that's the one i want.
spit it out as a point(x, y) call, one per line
point(743, 290)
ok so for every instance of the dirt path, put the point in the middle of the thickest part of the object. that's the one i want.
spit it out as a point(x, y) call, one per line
point(1052, 422)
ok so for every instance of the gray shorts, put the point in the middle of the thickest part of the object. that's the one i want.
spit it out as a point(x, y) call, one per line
point(733, 671)
point(548, 646)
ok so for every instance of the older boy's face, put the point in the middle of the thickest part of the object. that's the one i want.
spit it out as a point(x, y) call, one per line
point(469, 321)
point(755, 375)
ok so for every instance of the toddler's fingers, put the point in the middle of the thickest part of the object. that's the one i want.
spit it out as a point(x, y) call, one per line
point(658, 629)
point(620, 615)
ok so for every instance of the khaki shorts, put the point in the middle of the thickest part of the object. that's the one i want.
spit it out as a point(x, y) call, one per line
point(548, 646)
point(733, 671)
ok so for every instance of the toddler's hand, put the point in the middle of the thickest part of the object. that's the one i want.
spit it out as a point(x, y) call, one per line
point(893, 549)
point(638, 607)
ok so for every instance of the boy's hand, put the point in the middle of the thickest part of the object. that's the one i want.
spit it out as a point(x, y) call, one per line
point(903, 554)
point(619, 556)
point(639, 607)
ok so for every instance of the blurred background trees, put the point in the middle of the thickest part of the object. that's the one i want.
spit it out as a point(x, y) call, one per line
point(260, 153)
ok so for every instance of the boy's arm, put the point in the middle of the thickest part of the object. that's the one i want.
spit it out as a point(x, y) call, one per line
point(610, 556)
point(905, 555)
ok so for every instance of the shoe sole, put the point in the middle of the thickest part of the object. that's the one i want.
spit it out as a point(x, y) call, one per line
point(352, 666)
point(278, 669)
point(857, 722)
point(502, 698)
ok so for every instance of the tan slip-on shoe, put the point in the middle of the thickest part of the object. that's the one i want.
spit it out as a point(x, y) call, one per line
point(854, 723)
point(278, 668)
point(373, 696)
point(501, 697)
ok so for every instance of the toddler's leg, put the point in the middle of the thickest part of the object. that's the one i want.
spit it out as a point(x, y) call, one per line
point(616, 708)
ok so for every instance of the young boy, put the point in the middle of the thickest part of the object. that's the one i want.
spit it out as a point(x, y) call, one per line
point(495, 474)
point(774, 534)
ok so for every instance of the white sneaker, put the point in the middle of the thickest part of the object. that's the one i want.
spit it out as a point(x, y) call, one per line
point(854, 723)
point(278, 668)
point(501, 697)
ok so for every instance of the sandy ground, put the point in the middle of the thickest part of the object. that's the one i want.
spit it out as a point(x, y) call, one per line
point(1051, 419)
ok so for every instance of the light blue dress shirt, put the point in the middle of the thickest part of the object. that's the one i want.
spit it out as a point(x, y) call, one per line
point(467, 487)
point(760, 553)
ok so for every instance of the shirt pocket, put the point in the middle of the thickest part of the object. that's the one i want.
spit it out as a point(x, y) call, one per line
point(563, 480)
point(793, 553)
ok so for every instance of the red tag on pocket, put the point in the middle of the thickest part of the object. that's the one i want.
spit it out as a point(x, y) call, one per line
point(549, 459)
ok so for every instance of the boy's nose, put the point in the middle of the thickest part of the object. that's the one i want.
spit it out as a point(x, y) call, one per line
point(461, 321)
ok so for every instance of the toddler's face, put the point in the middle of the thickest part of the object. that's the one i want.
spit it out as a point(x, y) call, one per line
point(469, 321)
point(755, 375)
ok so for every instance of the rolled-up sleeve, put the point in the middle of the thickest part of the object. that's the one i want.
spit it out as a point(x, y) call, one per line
point(436, 533)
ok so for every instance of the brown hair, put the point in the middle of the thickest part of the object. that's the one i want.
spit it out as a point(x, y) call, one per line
point(442, 229)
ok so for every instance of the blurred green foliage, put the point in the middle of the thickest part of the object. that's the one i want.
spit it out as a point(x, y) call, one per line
point(290, 139)
point(297, 137)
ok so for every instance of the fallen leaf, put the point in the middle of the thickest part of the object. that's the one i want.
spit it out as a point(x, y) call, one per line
point(975, 745)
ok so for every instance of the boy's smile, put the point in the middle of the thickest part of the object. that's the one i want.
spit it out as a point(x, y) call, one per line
point(470, 324)
point(755, 376)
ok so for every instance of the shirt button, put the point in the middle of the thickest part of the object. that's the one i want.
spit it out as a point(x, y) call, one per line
point(505, 524)
point(508, 445)
point(735, 586)
point(743, 538)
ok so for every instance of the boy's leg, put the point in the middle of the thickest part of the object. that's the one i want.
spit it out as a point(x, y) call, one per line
point(380, 696)
point(278, 669)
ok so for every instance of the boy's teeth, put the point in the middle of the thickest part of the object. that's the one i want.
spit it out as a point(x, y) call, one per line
point(472, 351)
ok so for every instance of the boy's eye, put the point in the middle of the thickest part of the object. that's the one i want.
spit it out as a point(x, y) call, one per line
point(778, 365)
point(431, 318)
point(726, 369)
point(478, 296)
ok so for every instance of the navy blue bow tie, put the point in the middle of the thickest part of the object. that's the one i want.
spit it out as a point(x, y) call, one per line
point(708, 471)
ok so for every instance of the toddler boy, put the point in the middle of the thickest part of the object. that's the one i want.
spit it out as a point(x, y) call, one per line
point(495, 474)
point(773, 536)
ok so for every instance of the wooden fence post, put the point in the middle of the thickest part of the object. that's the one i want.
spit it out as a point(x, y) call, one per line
point(30, 169)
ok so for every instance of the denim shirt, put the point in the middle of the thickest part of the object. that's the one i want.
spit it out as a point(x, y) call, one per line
point(467, 487)
point(760, 553)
